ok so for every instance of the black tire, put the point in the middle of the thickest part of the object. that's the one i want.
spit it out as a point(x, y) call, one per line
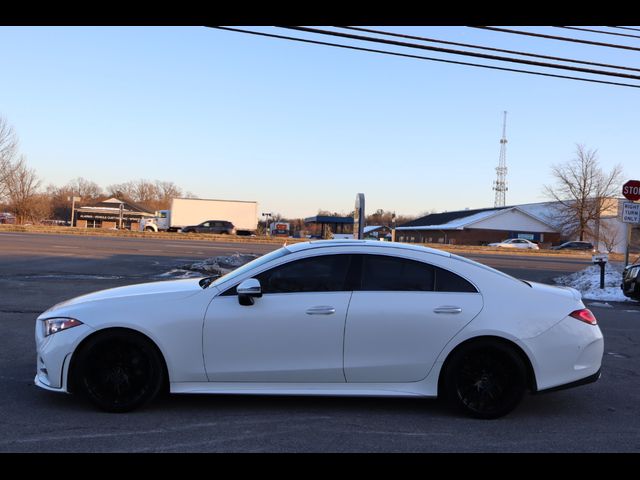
point(149, 229)
point(119, 371)
point(485, 379)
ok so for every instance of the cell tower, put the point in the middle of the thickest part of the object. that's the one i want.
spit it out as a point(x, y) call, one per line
point(500, 184)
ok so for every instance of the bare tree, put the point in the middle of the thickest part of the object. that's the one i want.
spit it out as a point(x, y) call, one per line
point(22, 191)
point(121, 189)
point(165, 192)
point(400, 219)
point(387, 218)
point(8, 150)
point(40, 208)
point(87, 190)
point(609, 235)
point(582, 191)
point(151, 195)
point(139, 191)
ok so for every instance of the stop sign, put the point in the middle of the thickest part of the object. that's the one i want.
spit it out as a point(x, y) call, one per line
point(631, 190)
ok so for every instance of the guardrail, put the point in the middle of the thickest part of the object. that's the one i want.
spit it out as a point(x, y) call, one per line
point(135, 234)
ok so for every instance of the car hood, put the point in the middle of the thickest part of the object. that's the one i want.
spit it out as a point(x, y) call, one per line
point(186, 286)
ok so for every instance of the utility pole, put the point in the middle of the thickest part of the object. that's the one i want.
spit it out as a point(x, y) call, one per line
point(266, 216)
point(73, 206)
point(500, 184)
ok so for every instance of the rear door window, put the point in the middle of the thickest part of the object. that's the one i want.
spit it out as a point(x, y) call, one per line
point(386, 273)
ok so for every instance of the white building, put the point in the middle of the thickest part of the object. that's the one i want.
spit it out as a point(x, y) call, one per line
point(538, 222)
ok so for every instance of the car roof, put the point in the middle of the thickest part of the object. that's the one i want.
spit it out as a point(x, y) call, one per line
point(377, 244)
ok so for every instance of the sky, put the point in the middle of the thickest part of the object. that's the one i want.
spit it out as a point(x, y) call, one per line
point(300, 127)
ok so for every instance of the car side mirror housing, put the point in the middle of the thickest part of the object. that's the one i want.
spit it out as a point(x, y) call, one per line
point(248, 290)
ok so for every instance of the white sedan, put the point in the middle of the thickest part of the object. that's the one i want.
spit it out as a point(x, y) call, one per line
point(516, 243)
point(348, 317)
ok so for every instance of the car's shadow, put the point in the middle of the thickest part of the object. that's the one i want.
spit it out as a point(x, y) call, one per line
point(559, 403)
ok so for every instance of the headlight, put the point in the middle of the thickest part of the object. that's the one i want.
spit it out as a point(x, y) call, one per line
point(633, 273)
point(55, 325)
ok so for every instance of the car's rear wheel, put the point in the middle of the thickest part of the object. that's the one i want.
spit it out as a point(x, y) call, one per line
point(485, 379)
point(119, 371)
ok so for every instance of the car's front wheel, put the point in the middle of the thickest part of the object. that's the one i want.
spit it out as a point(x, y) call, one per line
point(119, 371)
point(485, 379)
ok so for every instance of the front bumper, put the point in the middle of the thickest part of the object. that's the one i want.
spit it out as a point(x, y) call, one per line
point(53, 354)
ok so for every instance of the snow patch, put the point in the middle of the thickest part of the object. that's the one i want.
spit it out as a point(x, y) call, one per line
point(587, 282)
point(220, 265)
point(177, 273)
point(600, 304)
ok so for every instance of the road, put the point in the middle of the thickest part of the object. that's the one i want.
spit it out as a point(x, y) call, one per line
point(37, 271)
point(80, 254)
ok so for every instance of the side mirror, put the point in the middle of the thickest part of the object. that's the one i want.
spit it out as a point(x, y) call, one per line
point(248, 290)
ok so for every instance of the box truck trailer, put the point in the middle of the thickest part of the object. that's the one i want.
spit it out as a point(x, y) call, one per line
point(193, 211)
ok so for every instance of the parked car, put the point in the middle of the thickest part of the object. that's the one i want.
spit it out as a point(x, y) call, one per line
point(336, 317)
point(575, 245)
point(211, 226)
point(516, 243)
point(631, 280)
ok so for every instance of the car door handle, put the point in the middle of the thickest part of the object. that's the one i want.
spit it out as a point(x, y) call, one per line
point(321, 310)
point(447, 309)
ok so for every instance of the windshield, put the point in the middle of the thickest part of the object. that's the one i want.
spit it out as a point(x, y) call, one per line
point(281, 252)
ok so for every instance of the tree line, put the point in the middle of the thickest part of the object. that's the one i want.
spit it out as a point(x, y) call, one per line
point(22, 193)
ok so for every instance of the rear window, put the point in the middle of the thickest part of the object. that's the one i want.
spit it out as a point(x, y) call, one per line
point(447, 281)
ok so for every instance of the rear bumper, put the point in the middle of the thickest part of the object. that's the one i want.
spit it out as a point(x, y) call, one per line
point(568, 353)
point(577, 383)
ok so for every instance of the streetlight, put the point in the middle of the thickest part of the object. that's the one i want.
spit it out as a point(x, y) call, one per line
point(266, 216)
point(73, 201)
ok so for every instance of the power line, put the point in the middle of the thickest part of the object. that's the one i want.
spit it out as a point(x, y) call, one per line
point(601, 31)
point(468, 45)
point(553, 37)
point(464, 53)
point(626, 28)
point(420, 57)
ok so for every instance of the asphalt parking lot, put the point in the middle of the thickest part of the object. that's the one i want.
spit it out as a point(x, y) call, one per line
point(37, 271)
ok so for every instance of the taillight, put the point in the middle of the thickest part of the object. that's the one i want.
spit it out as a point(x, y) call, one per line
point(585, 315)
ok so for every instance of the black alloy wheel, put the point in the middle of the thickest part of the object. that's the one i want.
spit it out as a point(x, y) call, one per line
point(485, 380)
point(119, 371)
